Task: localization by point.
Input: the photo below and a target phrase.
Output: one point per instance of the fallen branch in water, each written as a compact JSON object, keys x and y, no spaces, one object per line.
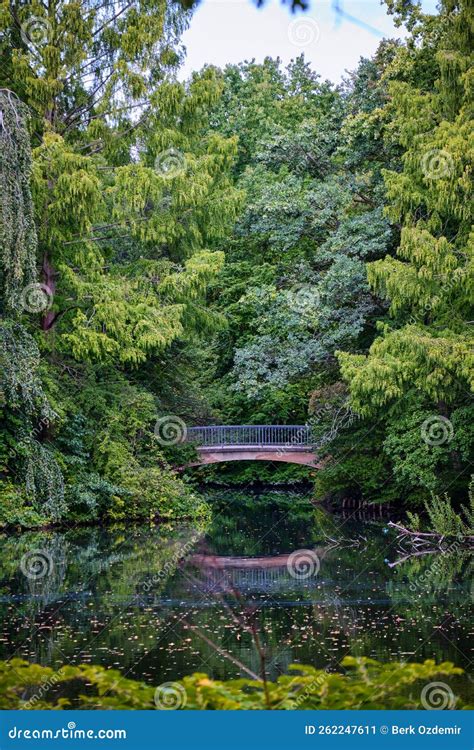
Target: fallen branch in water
{"x":425,"y":536}
{"x":422,"y":543}
{"x":410,"y":555}
{"x":222,"y":651}
{"x":409,"y":532}
{"x":344,"y":542}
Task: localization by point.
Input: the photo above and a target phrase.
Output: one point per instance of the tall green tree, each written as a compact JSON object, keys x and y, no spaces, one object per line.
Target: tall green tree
{"x":120,"y":203}
{"x":420,"y":367}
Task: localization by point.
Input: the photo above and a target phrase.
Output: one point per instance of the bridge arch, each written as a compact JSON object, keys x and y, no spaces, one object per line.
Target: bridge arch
{"x":280,"y":443}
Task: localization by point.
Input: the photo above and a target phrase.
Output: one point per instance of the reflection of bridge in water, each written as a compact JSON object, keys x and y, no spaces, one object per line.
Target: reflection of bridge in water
{"x":258,"y":574}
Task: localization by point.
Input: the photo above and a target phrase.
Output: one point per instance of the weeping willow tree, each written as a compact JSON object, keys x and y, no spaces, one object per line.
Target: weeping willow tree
{"x":25,"y":412}
{"x":32,"y":478}
{"x":18,"y":239}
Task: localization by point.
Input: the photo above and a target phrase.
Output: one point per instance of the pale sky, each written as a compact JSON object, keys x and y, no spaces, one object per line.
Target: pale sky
{"x":229,"y":31}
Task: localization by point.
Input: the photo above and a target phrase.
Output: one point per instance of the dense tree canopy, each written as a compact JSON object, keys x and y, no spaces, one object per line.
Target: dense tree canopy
{"x":423,"y":355}
{"x":251,"y":245}
{"x":118,"y":203}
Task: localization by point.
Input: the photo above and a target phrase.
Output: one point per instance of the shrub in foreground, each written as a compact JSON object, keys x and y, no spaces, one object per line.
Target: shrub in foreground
{"x":362,"y":684}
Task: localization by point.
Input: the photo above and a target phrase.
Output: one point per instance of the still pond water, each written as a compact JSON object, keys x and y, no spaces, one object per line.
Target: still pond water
{"x":159,"y":602}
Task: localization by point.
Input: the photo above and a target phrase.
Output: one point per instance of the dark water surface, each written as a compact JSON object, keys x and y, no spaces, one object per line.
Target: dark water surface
{"x":159,"y":602}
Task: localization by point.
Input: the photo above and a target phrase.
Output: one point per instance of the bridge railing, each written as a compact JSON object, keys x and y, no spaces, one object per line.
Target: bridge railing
{"x":252,"y":435}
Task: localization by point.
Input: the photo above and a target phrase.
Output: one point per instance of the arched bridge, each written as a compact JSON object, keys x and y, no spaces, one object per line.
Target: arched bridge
{"x":287,"y":443}
{"x":256,"y":573}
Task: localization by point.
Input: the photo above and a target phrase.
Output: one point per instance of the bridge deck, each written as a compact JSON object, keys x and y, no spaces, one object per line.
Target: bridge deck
{"x":221,"y":443}
{"x":240,"y":437}
{"x":253,"y":446}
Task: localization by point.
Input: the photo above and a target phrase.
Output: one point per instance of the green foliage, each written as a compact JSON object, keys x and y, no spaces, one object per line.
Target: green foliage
{"x":365,"y":684}
{"x":17,"y":227}
{"x":414,"y":521}
{"x":432,"y":277}
{"x":254,"y":474}
{"x":113,"y":434}
{"x":21,"y":385}
{"x":356,"y":467}
{"x":44,"y":482}
{"x":15,"y":510}
{"x":444,"y":520}
{"x":122,"y":215}
{"x":294,"y":287}
{"x":26,"y":415}
{"x":296,"y":329}
{"x":227,"y":249}
{"x":441,"y":518}
{"x":136,"y":48}
{"x":129,"y":320}
{"x":427,"y":347}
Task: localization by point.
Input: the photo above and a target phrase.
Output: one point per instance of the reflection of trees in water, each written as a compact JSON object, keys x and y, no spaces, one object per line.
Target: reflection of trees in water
{"x":125,"y":597}
{"x":96,"y":576}
{"x":431,"y":594}
{"x":254,"y":524}
{"x":45,"y":589}
{"x":350,"y":618}
{"x":285,"y":521}
{"x":423,"y":581}
{"x":113,"y":561}
{"x":32,"y":594}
